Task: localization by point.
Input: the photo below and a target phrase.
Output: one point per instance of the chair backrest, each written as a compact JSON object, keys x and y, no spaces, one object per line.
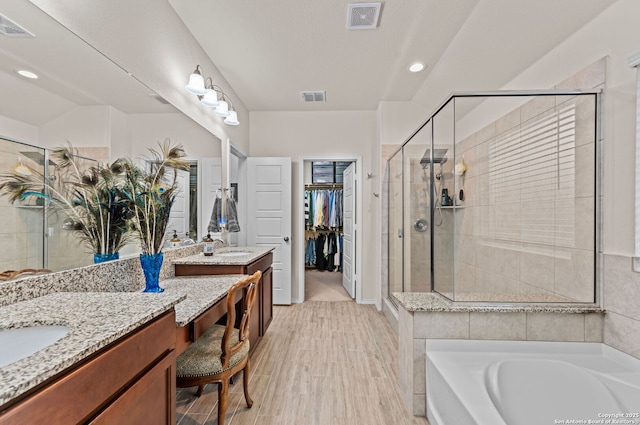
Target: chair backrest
{"x":249,"y":288}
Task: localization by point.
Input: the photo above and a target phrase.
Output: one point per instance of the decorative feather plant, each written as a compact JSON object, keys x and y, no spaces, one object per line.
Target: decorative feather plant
{"x":96,"y":207}
{"x":151,"y":193}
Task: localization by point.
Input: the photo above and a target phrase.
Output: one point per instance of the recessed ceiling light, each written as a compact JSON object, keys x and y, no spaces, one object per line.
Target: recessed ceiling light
{"x":417,"y":67}
{"x":27,"y":74}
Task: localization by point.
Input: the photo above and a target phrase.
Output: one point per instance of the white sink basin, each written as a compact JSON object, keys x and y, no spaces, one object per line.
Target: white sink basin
{"x":16,"y":344}
{"x":233,"y":253}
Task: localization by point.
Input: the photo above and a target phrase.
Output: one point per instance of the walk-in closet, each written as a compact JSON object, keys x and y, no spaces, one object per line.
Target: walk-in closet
{"x":324,"y":229}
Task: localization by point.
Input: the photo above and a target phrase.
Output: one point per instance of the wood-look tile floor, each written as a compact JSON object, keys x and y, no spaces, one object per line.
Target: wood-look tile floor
{"x":320,"y":363}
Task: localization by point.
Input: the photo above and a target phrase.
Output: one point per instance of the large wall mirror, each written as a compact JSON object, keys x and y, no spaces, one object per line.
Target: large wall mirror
{"x":80,"y":97}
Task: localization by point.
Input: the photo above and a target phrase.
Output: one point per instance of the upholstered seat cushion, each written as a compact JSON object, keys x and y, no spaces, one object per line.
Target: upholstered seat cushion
{"x":202,"y":358}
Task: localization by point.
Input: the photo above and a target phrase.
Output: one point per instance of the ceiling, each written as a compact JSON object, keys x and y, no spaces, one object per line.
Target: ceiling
{"x":269,"y":51}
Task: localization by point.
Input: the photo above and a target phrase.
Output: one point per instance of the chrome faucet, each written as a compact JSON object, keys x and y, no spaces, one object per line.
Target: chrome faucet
{"x":187,"y":241}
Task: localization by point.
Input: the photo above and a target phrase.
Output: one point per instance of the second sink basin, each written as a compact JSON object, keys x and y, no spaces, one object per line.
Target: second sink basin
{"x":16,"y":344}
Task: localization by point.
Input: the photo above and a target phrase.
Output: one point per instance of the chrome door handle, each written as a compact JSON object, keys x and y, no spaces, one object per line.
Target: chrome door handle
{"x":286,"y":238}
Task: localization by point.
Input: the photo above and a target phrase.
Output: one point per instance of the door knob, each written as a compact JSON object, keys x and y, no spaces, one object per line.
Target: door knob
{"x":286,"y":238}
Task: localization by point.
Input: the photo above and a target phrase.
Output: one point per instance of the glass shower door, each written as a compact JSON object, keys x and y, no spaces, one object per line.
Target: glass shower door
{"x":417,"y":220}
{"x":22,"y":233}
{"x":395,"y":226}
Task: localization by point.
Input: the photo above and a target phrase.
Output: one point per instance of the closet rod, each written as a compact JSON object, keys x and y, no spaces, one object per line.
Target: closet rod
{"x":323,"y":186}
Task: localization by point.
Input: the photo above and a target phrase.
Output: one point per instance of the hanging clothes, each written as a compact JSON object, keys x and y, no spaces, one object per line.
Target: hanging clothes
{"x":321,"y":262}
{"x":324,"y":208}
{"x":332,"y":250}
{"x":307,"y":205}
{"x":310,"y":252}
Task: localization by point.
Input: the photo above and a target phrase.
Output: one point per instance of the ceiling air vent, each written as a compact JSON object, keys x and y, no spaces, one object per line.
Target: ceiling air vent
{"x":313,"y":96}
{"x":11,"y":29}
{"x":363,"y":16}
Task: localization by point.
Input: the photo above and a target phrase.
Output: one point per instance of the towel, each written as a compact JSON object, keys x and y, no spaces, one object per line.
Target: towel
{"x":232,"y":216}
{"x":216,"y":217}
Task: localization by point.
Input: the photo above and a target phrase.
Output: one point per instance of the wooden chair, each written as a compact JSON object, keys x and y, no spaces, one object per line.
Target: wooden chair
{"x":222,"y":351}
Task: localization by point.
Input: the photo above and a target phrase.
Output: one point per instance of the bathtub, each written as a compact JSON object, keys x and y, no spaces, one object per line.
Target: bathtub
{"x":530,"y":383}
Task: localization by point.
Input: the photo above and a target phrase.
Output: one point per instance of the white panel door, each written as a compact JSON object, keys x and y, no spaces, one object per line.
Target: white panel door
{"x":269,"y":217}
{"x":349,"y":229}
{"x":209,"y":187}
{"x":179,"y":214}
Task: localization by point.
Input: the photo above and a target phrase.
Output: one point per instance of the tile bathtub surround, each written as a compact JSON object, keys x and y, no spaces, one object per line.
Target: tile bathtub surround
{"x":428,"y":315}
{"x":621,"y":300}
{"x":123,"y":275}
{"x":95,"y":320}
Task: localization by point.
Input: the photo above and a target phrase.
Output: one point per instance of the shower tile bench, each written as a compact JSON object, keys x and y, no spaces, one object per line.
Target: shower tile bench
{"x":428,"y":315}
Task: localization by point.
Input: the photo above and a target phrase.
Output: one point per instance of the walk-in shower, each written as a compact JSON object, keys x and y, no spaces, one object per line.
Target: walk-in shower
{"x":494,"y":199}
{"x":34,"y":234}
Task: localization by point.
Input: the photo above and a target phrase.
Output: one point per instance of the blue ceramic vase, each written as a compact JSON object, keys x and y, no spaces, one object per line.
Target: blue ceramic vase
{"x":101,"y":258}
{"x":151,"y":264}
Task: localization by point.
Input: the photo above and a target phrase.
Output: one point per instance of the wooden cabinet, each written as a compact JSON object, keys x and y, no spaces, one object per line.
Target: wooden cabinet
{"x":131,"y":381}
{"x":263,"y":309}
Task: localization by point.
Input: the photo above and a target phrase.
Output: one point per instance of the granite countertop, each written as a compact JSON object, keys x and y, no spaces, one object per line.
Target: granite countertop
{"x":95,"y":320}
{"x":201,"y":293}
{"x":434,"y":302}
{"x":219,"y":258}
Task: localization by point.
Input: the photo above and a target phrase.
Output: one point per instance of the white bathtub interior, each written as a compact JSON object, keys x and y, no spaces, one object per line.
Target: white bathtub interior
{"x":530,"y":383}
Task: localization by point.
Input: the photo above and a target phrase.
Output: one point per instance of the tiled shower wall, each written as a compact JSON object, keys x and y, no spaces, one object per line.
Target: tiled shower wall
{"x":21,"y":233}
{"x":527,"y":226}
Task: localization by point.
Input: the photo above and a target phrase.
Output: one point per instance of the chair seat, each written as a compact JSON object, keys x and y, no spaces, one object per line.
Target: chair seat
{"x":203,"y":357}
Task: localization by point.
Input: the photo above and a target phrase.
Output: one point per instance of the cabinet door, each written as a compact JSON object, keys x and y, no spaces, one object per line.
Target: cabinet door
{"x":150,"y":400}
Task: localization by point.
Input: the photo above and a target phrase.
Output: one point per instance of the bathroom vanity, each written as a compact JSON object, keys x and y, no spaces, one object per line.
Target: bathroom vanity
{"x":114,"y":360}
{"x":232,"y":261}
{"x":115,"y":365}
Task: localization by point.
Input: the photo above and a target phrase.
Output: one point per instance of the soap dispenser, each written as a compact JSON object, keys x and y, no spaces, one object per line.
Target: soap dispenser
{"x":208,"y":245}
{"x":175,"y":240}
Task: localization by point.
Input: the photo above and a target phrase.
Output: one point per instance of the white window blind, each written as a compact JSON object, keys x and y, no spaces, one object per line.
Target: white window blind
{"x":531,"y":181}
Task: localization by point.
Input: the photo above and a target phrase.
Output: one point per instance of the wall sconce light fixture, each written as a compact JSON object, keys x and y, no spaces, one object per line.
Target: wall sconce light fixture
{"x":212,"y":96}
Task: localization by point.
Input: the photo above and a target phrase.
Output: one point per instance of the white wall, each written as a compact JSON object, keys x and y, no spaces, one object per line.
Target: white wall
{"x":83,"y":126}
{"x":398,"y":120}
{"x":337,"y":134}
{"x":121,"y":145}
{"x":18,"y":130}
{"x":149,"y":129}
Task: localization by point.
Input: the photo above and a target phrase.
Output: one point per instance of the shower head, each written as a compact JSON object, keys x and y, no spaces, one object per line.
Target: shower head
{"x":439,"y":157}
